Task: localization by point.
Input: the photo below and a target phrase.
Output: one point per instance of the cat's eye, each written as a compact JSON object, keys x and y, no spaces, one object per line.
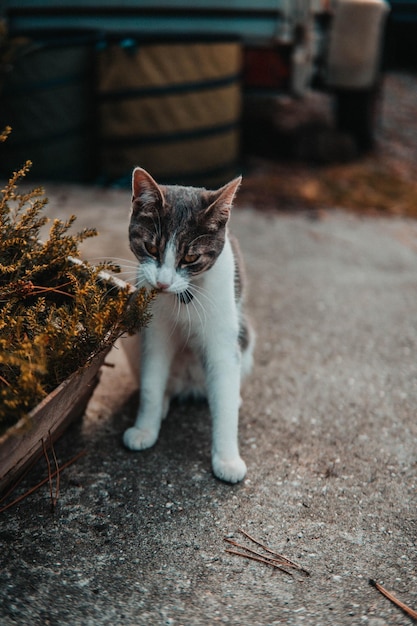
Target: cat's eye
{"x":190,"y":258}
{"x":151,"y":249}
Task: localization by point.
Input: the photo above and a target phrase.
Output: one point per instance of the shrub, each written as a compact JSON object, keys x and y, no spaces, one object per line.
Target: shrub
{"x":56,"y":312}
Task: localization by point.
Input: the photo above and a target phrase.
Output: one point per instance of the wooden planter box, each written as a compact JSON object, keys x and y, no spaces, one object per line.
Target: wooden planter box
{"x":22,"y":443}
{"x":173,"y":106}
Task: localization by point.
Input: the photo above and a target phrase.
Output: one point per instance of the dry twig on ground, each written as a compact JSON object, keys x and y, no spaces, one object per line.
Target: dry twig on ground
{"x":394,"y":600}
{"x":54,"y":498}
{"x":279,"y":561}
{"x":48,"y":479}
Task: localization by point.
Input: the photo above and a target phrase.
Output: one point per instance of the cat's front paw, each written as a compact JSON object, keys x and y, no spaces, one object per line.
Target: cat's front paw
{"x":231,"y":470}
{"x":139,"y":438}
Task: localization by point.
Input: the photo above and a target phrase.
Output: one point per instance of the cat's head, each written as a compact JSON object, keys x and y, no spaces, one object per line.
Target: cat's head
{"x":175,"y":232}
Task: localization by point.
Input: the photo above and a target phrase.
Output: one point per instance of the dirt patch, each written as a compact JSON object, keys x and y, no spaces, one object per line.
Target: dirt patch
{"x":299,"y":161}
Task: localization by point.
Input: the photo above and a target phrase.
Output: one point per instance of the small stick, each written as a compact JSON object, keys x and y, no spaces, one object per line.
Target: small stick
{"x":259,"y":559}
{"x":18,"y":481}
{"x":266,"y":559}
{"x":263,"y":556}
{"x":39,"y":289}
{"x":45,"y":480}
{"x":280,"y":556}
{"x":393,"y":599}
{"x":266,"y":547}
{"x":45,"y":453}
{"x":58,"y":472}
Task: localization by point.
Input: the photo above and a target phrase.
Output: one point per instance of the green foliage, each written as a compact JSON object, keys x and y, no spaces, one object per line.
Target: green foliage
{"x":56,"y":312}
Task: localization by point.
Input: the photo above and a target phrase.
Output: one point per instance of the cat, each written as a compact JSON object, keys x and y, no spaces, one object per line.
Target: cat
{"x":199,"y":342}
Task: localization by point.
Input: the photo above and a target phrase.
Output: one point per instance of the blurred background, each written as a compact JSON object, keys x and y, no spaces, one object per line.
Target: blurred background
{"x":314,"y":100}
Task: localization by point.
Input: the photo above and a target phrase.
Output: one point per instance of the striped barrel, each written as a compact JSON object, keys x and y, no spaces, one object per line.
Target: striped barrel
{"x":170,"y":107}
{"x":46,"y":96}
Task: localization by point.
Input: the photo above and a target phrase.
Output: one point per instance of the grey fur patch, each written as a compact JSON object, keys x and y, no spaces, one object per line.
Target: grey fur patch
{"x":196,"y":216}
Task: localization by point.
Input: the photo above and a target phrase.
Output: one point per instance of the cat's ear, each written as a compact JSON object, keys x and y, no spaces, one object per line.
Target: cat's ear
{"x":146,"y":192}
{"x":221,"y":201}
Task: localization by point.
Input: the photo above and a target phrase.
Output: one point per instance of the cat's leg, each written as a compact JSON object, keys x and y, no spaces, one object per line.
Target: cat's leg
{"x":223,"y":387}
{"x":153,"y":406}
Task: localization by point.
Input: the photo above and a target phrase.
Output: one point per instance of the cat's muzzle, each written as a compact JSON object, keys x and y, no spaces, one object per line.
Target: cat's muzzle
{"x":185,"y":297}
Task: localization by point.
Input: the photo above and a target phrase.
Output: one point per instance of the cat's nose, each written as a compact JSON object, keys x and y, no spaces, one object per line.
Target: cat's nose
{"x":162,"y":286}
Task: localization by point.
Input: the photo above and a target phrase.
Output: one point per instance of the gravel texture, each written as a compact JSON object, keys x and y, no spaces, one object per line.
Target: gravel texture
{"x":328,"y":432}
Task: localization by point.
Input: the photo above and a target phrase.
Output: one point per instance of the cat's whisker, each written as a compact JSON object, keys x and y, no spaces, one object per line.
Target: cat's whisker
{"x":195,"y":294}
{"x":127,"y":272}
{"x":110,"y":287}
{"x":204,"y":293}
{"x":128,"y":276}
{"x":177,"y":316}
{"x":140,"y":277}
{"x":189,"y":322}
{"x":203,"y":304}
{"x":139,"y":282}
{"x":129,"y":279}
{"x":200,"y":290}
{"x":115,"y":260}
{"x":195,"y":301}
{"x":127,"y":268}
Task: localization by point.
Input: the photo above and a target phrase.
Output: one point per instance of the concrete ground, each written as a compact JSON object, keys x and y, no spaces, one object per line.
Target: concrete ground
{"x":328,"y":430}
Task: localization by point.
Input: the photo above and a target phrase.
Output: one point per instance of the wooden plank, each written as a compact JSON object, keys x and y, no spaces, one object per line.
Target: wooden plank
{"x":22,"y":443}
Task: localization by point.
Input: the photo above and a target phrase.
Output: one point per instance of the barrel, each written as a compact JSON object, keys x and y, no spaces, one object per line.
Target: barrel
{"x":172,"y":107}
{"x":47,"y":97}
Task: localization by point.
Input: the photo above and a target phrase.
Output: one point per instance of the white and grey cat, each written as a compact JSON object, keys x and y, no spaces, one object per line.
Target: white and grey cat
{"x":199,"y":342}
